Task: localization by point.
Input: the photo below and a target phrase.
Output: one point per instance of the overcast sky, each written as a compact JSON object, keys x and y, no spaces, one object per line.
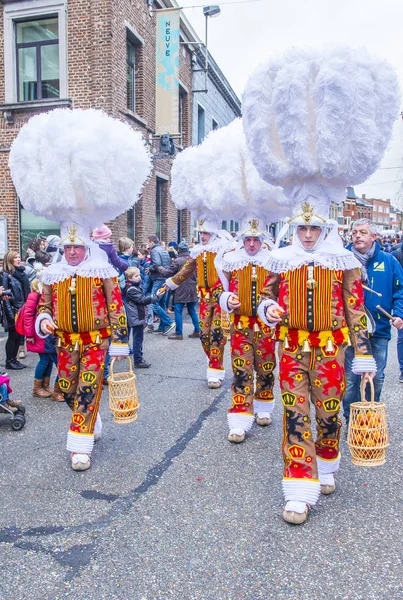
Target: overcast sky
{"x":249,"y":31}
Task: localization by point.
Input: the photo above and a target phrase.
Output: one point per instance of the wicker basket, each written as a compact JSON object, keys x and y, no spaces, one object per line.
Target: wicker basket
{"x":225,"y":324}
{"x":123,"y":399}
{"x":368,"y":435}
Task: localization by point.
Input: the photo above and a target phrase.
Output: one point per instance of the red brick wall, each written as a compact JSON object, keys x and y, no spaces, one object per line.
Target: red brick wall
{"x":135,"y":14}
{"x":97,"y":78}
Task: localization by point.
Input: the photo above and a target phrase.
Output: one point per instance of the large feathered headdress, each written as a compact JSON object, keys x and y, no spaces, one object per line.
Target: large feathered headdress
{"x":217,"y":181}
{"x":79,"y":168}
{"x":317,"y":122}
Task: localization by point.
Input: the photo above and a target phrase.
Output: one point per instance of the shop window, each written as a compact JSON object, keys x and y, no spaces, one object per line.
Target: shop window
{"x":33,"y":226}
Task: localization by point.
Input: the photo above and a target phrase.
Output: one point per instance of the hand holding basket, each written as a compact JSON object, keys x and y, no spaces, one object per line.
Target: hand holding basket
{"x":368,"y":435}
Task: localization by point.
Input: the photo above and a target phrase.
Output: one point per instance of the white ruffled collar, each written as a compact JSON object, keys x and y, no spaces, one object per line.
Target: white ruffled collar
{"x":239,"y":259}
{"x":95,"y":265}
{"x":329,"y":253}
{"x":212,"y":246}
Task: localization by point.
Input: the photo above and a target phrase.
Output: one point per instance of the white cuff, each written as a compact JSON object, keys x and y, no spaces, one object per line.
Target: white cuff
{"x":295,"y":506}
{"x":81,"y":443}
{"x":363,"y":364}
{"x":240,"y":421}
{"x":42,"y":317}
{"x":224,"y":297}
{"x":325,"y":467}
{"x":116,"y":349}
{"x":301,"y":490}
{"x":216,"y":374}
{"x":326,"y":479}
{"x":261,"y":407}
{"x":172,"y":286}
{"x":261,"y":311}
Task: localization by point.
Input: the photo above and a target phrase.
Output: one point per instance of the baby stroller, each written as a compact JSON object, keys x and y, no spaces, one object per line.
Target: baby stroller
{"x":16,"y":412}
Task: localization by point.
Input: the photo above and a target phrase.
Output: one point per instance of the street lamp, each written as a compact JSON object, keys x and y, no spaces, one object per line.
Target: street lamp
{"x":213,"y":10}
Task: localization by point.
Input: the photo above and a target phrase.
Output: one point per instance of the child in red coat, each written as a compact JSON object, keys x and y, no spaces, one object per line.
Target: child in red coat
{"x":44,"y":347}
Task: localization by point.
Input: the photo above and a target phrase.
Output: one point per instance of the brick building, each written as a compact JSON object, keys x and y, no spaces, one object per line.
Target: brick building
{"x":396,"y":219}
{"x":380,"y":212}
{"x":98,"y":54}
{"x":349,"y":208}
{"x":364,"y":208}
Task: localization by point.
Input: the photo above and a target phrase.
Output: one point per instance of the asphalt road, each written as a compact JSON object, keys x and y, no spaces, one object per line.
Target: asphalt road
{"x":171,"y":510}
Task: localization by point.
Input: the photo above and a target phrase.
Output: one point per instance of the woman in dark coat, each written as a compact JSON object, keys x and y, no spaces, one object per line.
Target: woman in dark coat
{"x":14,"y":278}
{"x":186,"y":294}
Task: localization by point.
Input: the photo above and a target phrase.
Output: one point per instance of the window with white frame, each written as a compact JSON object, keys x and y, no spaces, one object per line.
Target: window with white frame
{"x":37,"y":51}
{"x":35,"y":57}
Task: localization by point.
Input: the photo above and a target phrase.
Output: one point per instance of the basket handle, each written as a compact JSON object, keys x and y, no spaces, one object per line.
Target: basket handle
{"x":363,"y":386}
{"x":113,"y":362}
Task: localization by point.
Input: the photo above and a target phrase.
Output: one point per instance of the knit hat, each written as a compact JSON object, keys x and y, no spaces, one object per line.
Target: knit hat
{"x":101,"y":233}
{"x":183,"y":246}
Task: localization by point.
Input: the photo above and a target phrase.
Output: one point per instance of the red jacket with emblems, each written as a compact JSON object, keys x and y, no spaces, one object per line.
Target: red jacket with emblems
{"x":333,"y":308}
{"x":94,"y":308}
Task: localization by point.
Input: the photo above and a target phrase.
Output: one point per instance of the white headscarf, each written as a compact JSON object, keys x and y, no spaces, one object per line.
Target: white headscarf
{"x":328,"y":252}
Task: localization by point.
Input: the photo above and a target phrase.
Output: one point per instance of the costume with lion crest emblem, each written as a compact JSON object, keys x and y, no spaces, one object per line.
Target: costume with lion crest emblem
{"x":315,"y":123}
{"x":80,"y":168}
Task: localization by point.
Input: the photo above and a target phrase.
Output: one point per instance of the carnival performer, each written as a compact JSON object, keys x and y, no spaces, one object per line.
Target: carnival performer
{"x":318,"y":308}
{"x":212,"y":337}
{"x":84,"y":310}
{"x":252,"y":341}
{"x":93,"y":170}
{"x":314,"y":294}
{"x":218,"y":182}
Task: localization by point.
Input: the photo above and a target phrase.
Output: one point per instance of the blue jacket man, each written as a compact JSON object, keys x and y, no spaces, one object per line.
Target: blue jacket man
{"x":159,"y":258}
{"x":382,"y":273}
{"x":397,"y":252}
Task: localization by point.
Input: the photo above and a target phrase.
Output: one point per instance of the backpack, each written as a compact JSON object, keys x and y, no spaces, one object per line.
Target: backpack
{"x":19,"y":321}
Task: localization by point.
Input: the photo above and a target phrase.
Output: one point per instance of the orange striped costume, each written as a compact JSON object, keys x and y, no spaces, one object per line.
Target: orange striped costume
{"x":321,"y":308}
{"x":252,"y":348}
{"x":209,"y":286}
{"x":87,"y":311}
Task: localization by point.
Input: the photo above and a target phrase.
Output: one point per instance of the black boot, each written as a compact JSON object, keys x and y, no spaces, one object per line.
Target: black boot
{"x":14,"y":365}
{"x":20,"y":364}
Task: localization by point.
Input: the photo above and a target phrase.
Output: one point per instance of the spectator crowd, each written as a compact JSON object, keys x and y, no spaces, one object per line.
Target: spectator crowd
{"x":142,"y":274}
{"x":152,"y":309}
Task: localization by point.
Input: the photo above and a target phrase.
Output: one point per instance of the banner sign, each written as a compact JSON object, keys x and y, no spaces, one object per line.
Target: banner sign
{"x":167,"y":70}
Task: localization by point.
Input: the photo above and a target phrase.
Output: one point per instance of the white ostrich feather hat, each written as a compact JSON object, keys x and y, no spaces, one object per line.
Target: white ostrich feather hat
{"x":316,"y":122}
{"x":217,"y":181}
{"x":80,"y":168}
